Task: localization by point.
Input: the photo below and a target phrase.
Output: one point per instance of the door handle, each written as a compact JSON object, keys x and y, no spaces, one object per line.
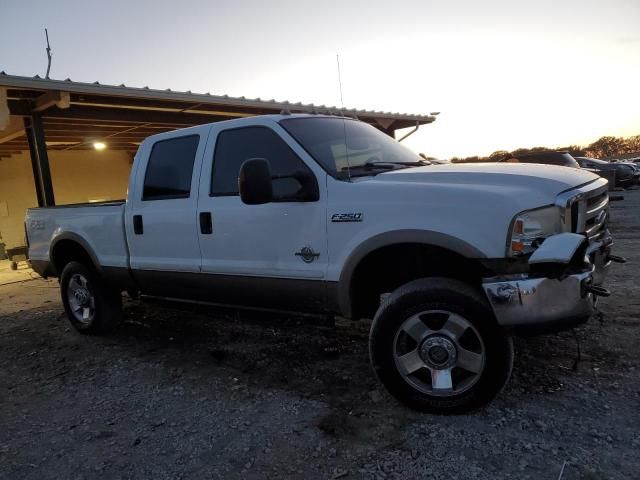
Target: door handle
{"x":138,"y":228}
{"x":206,"y":223}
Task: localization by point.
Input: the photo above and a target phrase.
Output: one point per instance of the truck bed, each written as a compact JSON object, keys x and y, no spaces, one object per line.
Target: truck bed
{"x":99,"y":226}
{"x":108,"y":203}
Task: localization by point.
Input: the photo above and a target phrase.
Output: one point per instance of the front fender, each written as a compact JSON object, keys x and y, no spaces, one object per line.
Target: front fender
{"x":424,"y":237}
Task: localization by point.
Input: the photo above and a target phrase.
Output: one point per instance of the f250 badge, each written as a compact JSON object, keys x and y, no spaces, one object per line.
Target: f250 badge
{"x":346,"y":217}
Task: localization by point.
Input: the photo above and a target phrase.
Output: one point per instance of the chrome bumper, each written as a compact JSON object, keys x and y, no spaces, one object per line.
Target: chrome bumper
{"x":541,"y":304}
{"x":544,"y":302}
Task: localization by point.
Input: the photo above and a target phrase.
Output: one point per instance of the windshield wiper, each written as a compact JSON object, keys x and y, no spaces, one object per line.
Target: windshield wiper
{"x":368,"y":168}
{"x":417,"y":163}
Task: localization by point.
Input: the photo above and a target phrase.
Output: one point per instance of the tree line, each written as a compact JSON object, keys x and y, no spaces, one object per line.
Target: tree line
{"x":604,"y":147}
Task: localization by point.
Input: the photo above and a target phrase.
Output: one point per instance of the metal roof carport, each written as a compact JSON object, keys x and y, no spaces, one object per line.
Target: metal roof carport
{"x":39,"y":114}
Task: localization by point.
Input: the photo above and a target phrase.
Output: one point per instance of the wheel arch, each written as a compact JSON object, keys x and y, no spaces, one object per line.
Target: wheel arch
{"x":393,"y":242}
{"x":69,"y":246}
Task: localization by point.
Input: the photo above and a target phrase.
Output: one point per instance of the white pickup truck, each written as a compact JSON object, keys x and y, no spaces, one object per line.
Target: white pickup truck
{"x":325,"y":214}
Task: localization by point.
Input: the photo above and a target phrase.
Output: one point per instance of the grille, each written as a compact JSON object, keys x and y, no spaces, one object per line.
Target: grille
{"x":591,"y":214}
{"x":587,"y":208}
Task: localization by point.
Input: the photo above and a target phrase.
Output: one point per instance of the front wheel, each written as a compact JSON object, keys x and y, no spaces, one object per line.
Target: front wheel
{"x":92,"y":306}
{"x":435,"y":345}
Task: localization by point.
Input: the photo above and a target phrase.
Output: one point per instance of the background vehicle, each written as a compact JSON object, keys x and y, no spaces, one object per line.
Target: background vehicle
{"x":563,"y":159}
{"x":636,"y":174}
{"x":625,"y":174}
{"x":329,"y":215}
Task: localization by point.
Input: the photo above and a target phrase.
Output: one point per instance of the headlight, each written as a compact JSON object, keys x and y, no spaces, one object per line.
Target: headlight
{"x":531,"y":227}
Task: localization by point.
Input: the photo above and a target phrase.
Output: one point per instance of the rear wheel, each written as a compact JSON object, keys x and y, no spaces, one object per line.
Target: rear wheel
{"x":436,"y":347}
{"x":91,"y":306}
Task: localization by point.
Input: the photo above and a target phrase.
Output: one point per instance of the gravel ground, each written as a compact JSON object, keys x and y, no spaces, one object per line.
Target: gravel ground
{"x":187,"y":392}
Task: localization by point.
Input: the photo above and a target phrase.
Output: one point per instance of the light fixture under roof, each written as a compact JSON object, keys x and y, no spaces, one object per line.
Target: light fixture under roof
{"x":99,"y":145}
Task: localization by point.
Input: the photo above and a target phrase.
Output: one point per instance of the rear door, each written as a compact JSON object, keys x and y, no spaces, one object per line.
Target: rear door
{"x":272,"y":255}
{"x":161,"y":218}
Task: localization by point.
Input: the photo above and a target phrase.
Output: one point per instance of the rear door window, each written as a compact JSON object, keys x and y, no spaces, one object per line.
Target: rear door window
{"x":170,"y":168}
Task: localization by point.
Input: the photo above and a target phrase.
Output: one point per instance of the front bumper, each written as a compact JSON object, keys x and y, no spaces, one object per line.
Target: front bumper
{"x":533,"y":303}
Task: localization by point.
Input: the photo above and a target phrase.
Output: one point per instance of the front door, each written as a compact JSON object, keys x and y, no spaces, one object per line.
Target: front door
{"x":272,"y":255}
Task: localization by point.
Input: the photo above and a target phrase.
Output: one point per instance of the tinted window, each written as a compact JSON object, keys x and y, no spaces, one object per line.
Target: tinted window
{"x":170,"y":168}
{"x":235,"y":146}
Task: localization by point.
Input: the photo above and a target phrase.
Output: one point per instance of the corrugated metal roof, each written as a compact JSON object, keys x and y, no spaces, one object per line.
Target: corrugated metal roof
{"x":122,"y":90}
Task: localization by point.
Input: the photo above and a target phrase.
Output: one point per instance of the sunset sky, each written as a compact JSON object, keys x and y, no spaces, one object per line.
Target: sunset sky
{"x":504,"y":74}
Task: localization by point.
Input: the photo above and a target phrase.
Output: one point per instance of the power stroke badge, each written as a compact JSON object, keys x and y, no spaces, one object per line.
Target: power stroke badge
{"x":346,"y":217}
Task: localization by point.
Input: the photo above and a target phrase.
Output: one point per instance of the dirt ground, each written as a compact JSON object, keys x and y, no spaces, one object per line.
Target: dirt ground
{"x":22,"y":273}
{"x":189,"y":392}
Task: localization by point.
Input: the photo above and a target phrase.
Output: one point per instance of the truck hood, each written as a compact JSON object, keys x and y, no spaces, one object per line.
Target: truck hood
{"x":471,"y":204}
{"x":547,"y":180}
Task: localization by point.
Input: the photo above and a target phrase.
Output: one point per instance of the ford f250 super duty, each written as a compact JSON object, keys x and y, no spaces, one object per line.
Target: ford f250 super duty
{"x":328,"y":215}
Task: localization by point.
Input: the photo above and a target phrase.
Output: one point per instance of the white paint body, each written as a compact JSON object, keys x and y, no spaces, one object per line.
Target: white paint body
{"x":473,"y":203}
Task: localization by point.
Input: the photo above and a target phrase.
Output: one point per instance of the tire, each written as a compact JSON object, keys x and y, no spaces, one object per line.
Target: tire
{"x":457,"y":357}
{"x":91,"y":306}
{"x":14,"y":266}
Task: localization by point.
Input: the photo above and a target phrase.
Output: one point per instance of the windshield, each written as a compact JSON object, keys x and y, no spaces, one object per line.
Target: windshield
{"x":347,"y":148}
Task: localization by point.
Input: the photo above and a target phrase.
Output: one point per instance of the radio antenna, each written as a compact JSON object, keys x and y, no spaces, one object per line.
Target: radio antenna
{"x":48,"y":54}
{"x":344,"y":121}
{"x":340,"y":82}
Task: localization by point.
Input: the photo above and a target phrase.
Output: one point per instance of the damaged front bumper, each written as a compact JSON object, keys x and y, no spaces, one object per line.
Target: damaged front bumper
{"x":560,"y":289}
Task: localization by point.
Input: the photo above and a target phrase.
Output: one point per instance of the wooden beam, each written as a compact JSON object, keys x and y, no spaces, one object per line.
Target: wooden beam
{"x":89,"y":148}
{"x":202,"y":111}
{"x":49,"y":99}
{"x":7,"y":155}
{"x":172,"y":105}
{"x":107,"y":123}
{"x":13,"y":130}
{"x":89,"y":138}
{"x":16,"y":146}
{"x":11,"y":136}
{"x":76,"y":143}
{"x":14,"y":140}
{"x":97,"y":133}
{"x":141,"y":116}
{"x":77,"y":131}
{"x":89,"y":129}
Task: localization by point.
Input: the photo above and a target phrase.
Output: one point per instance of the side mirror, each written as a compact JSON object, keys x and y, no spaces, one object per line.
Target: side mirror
{"x":254,"y":182}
